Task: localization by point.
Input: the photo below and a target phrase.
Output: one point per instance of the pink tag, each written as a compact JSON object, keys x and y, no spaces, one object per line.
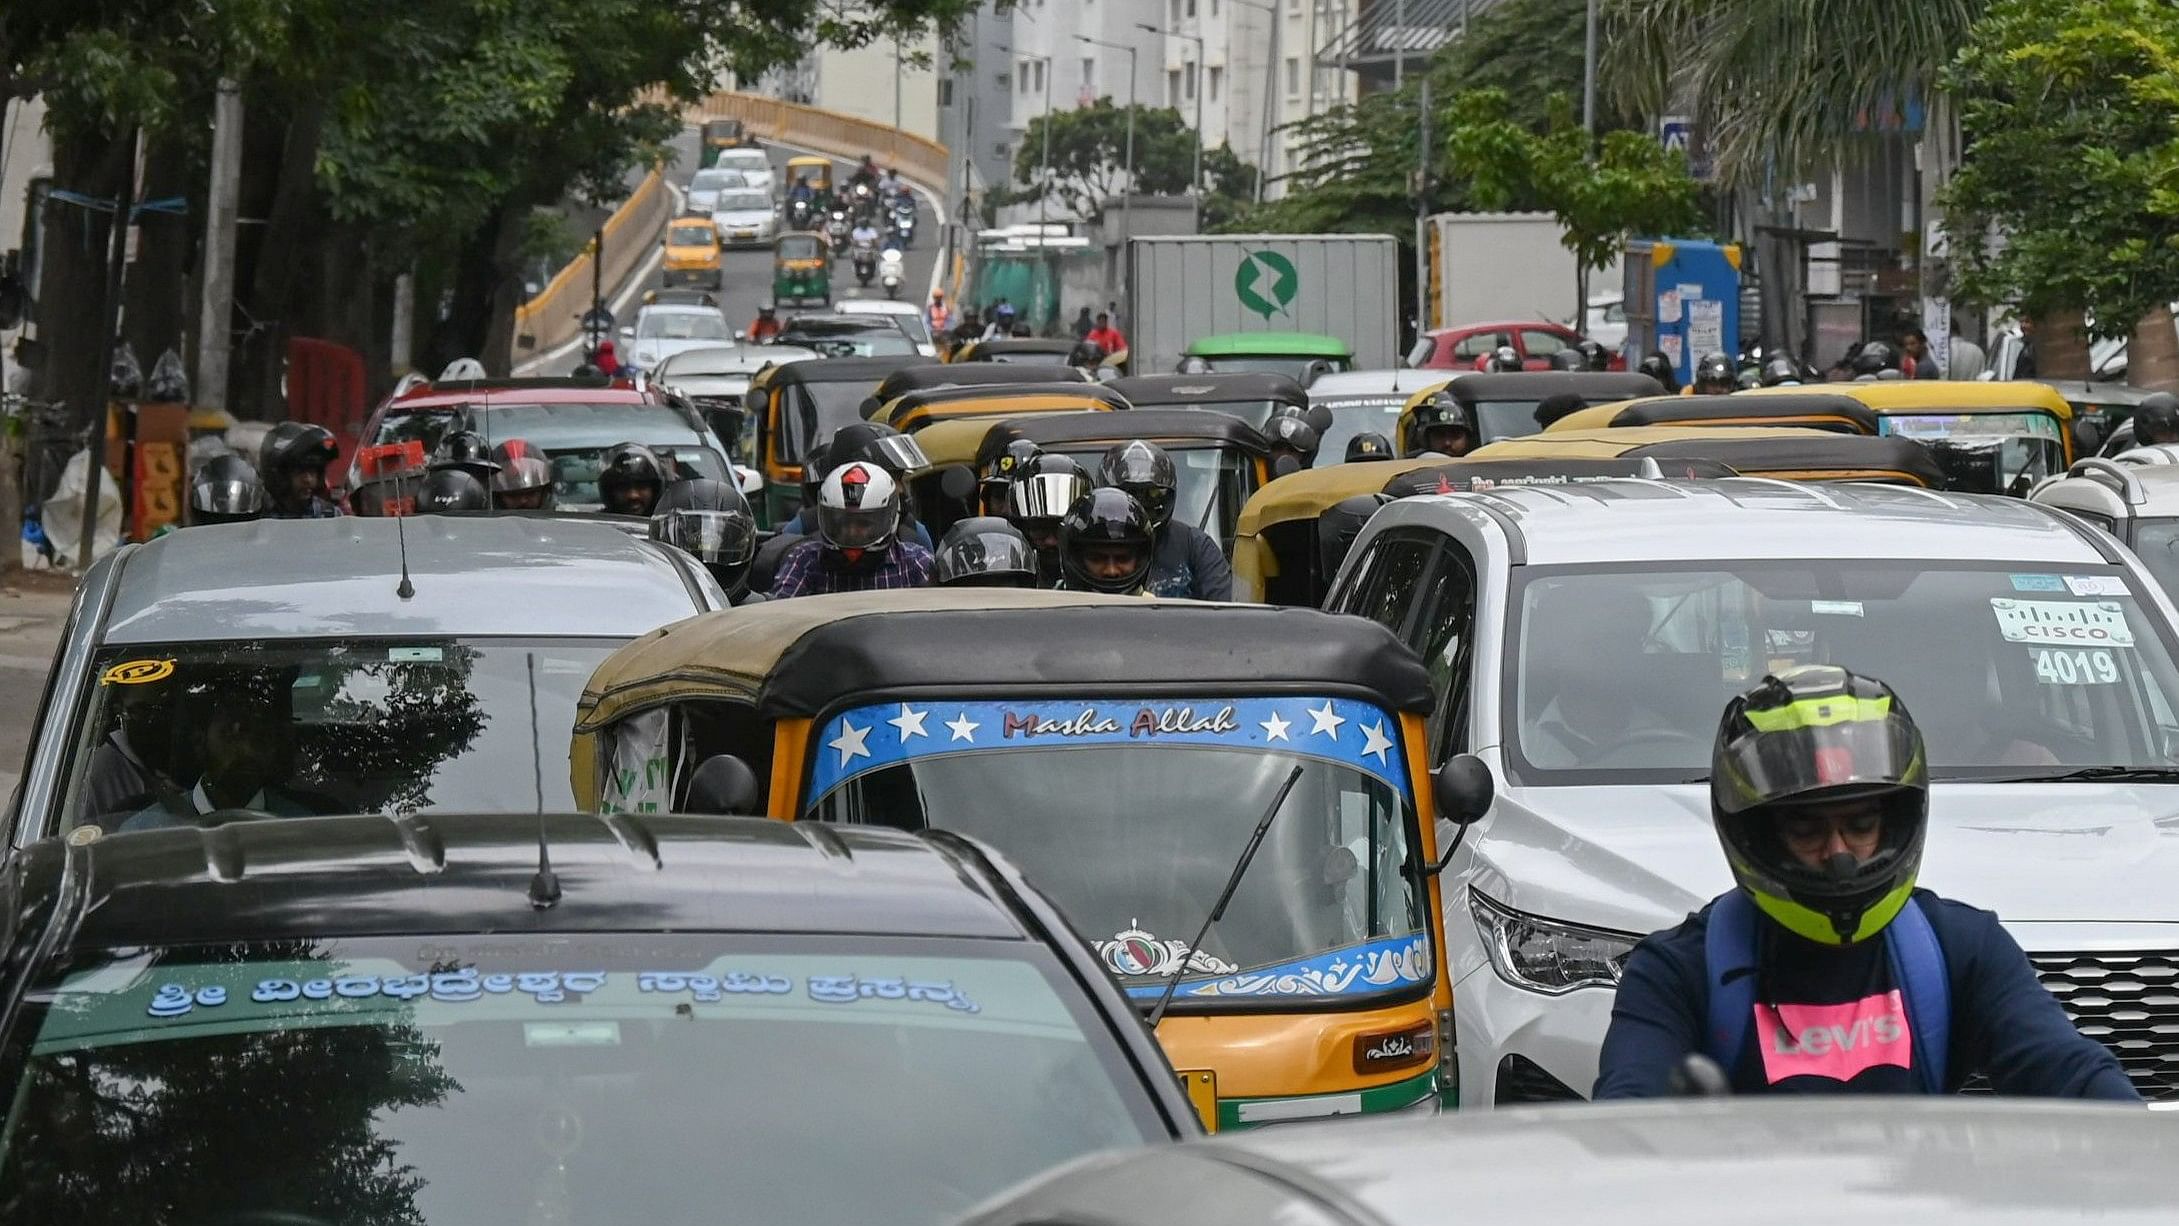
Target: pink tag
{"x":1834,"y":1041}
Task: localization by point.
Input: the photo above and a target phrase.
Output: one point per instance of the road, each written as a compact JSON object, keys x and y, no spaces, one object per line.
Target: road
{"x":33,"y":608}
{"x":748,"y":272}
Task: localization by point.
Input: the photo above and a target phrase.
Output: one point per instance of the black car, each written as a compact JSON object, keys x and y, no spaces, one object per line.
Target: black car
{"x":848,"y":336}
{"x":674,"y":1020}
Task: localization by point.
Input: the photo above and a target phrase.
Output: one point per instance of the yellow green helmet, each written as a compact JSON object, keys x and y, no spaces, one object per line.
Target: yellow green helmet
{"x":1820,"y":735}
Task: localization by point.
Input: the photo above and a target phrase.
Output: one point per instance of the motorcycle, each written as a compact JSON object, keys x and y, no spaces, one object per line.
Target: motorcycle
{"x":891,"y":272}
{"x":836,"y":229}
{"x":798,"y":214}
{"x":866,"y":262}
{"x":862,"y":195}
{"x":904,"y":223}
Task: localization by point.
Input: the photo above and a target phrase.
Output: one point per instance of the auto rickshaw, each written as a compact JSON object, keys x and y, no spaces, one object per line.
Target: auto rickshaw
{"x":691,"y":253}
{"x":1993,"y":438}
{"x":815,"y":171}
{"x":1300,"y":356}
{"x":912,"y":411}
{"x":1019,"y":351}
{"x":1221,"y":460}
{"x":1789,"y":453}
{"x":1811,"y":408}
{"x":1276,"y":555}
{"x":801,"y":270}
{"x":796,"y":405}
{"x":1251,"y":396}
{"x":1142,"y":760}
{"x":2103,"y":414}
{"x":1504,"y":405}
{"x":720,"y":135}
{"x":928,"y":374}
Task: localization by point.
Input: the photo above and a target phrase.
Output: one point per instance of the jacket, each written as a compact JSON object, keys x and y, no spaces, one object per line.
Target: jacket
{"x":1188,"y":563}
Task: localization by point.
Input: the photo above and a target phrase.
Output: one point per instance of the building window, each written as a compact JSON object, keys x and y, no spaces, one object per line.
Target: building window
{"x":1190,"y":78}
{"x":1216,"y":73}
{"x":1089,"y":77}
{"x":1041,"y":66}
{"x":1214,"y":8}
{"x":945,"y":91}
{"x":1293,"y":77}
{"x":1024,"y":73}
{"x":1172,"y":87}
{"x":1191,"y":8}
{"x":1176,"y":13}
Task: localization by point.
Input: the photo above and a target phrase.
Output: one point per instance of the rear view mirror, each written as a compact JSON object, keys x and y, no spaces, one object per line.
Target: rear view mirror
{"x":958,"y":482}
{"x":1285,"y":466}
{"x":1462,"y":789}
{"x":1319,"y":418}
{"x":724,"y":785}
{"x":749,"y":481}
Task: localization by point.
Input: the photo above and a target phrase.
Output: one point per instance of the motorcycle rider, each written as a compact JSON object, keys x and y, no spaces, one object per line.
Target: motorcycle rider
{"x":1185,"y":561}
{"x":1599,"y":358}
{"x":225,"y":490}
{"x":1038,"y":497}
{"x":891,"y":186}
{"x":1291,"y":438}
{"x":1503,"y":360}
{"x":1715,"y":376}
{"x":711,"y":522}
{"x":984,"y":551}
{"x":874,"y":443}
{"x":1569,"y":360}
{"x":524,"y":479}
{"x":1659,"y":367}
{"x":991,"y":486}
{"x":2156,"y":420}
{"x":1876,"y":360}
{"x":1780,"y":370}
{"x":1105,"y":544}
{"x":1826,"y":970}
{"x":858,"y":546}
{"x":292,"y":463}
{"x":765,"y":328}
{"x":447,"y":489}
{"x":1368,"y":445}
{"x":1441,"y":424}
{"x":630,"y":479}
{"x":467,"y":451}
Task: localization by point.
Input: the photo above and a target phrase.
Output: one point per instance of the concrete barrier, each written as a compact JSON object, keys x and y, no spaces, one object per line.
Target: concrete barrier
{"x":554,"y":315}
{"x":842,"y":136}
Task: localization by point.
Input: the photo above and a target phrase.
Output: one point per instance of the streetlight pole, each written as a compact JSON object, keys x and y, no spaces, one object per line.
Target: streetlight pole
{"x":1271,"y":93}
{"x":1588,"y":153}
{"x":1200,"y":54}
{"x":1127,"y":202}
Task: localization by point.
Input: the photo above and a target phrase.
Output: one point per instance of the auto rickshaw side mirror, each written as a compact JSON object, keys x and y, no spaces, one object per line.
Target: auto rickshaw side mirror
{"x":958,"y":482}
{"x":724,"y":786}
{"x":1285,"y":466}
{"x":1462,"y":789}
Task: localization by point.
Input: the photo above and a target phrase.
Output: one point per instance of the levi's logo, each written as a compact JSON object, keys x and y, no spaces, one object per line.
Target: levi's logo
{"x":1835,"y":1041}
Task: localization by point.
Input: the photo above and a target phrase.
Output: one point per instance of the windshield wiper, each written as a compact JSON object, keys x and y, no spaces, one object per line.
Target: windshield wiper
{"x":1225,"y":896}
{"x":2088,"y":774}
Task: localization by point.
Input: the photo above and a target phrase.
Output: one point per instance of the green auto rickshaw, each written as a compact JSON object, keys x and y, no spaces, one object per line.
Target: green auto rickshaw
{"x":801,"y":271}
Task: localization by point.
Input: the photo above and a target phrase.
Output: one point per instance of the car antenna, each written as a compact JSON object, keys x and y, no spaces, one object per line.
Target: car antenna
{"x":1218,"y":909}
{"x":545,"y":885}
{"x":406,"y":590}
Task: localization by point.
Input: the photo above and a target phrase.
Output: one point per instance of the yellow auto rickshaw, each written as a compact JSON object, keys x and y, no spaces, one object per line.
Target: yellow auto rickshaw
{"x":1998,"y":437}
{"x":1505,"y":405}
{"x":912,"y":411}
{"x":1276,"y":552}
{"x":797,"y":405}
{"x":817,"y":173}
{"x":1132,"y":756}
{"x":1788,"y":453}
{"x":1812,"y":408}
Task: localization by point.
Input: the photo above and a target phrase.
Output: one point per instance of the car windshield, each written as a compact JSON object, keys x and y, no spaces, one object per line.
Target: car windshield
{"x":573,"y":436}
{"x":692,"y":236}
{"x":1213,"y":484}
{"x":812,"y":411}
{"x":1298,"y":368}
{"x":1132,"y":815}
{"x":705,"y":325}
{"x":746,"y":160}
{"x":910,"y":321}
{"x":714,"y":179}
{"x":2011,"y":670}
{"x":315,"y":727}
{"x":876,"y":342}
{"x":581,"y":1078}
{"x":1352,"y":415}
{"x":2156,"y":541}
{"x":744,"y":200}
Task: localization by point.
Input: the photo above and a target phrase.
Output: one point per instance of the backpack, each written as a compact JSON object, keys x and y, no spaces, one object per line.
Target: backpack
{"x":1917,"y":966}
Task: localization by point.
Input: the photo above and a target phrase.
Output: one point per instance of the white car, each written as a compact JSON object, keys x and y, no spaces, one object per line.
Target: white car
{"x":909,"y":315}
{"x":755,"y":167}
{"x":744,"y":217}
{"x":704,"y":187}
{"x":1367,"y":401}
{"x":1584,"y":640}
{"x":1607,"y":321}
{"x":664,"y":329}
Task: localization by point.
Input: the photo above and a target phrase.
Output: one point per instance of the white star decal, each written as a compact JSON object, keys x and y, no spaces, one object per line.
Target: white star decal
{"x":1375,"y":742}
{"x":850,"y":742}
{"x":909,"y":722}
{"x":1325,"y":721}
{"x":1275,"y":728}
{"x":964,"y":728}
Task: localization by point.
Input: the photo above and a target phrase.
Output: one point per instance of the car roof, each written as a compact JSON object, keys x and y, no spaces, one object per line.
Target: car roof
{"x":1591,"y":385}
{"x":474,"y":576}
{"x":471,"y":873}
{"x":839,"y":325}
{"x":1278,"y":344}
{"x":1797,"y":453}
{"x":736,"y":359}
{"x":1394,"y":381}
{"x":1211,"y":388}
{"x":543,"y":391}
{"x":1747,"y":517}
{"x":1025,"y":344}
{"x":925,"y":373}
{"x":2115,"y":489}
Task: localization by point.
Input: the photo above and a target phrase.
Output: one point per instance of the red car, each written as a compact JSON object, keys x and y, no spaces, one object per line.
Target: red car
{"x":1463,"y":346}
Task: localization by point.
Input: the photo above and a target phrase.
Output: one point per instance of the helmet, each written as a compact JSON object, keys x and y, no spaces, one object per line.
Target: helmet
{"x":1875,"y":358}
{"x":523,"y":470}
{"x":1558,"y":405}
{"x":876,"y":443}
{"x":1504,"y":359}
{"x":225,"y":491}
{"x":1368,"y":445}
{"x":1817,"y":736}
{"x":1781,"y":370}
{"x":1039,"y":495}
{"x":767,"y":310}
{"x":291,"y":448}
{"x":2156,"y":420}
{"x":1598,"y":356}
{"x":1292,"y":434}
{"x":1714,"y":374}
{"x":466,"y":450}
{"x":449,"y":489}
{"x":1569,"y":359}
{"x":1748,"y":380}
{"x":1102,"y":521}
{"x":1659,"y":367}
{"x":1146,"y":472}
{"x":623,"y":471}
{"x":1193,"y":365}
{"x":711,"y":522}
{"x":984,"y":551}
{"x":858,"y":509}
{"x":1440,"y":411}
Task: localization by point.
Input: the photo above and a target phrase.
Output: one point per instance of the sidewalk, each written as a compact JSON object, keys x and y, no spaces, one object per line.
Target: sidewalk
{"x":33,"y":606}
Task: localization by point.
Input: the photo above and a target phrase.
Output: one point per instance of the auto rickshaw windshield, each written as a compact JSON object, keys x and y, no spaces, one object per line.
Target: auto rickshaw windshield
{"x":1132,"y":816}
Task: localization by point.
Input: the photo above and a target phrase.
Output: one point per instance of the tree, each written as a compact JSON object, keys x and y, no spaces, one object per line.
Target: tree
{"x":1089,"y":161}
{"x":2071,"y":109}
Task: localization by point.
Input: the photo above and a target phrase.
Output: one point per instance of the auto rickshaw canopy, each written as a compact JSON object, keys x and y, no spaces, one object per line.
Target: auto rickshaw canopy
{"x":816,"y":171}
{"x":789,"y":388}
{"x":1467,"y":475}
{"x":913,"y":411}
{"x":1250,"y":395}
{"x":1177,"y":429}
{"x":1819,"y":410}
{"x":1503,"y":405}
{"x":799,"y":246}
{"x":1789,"y":453}
{"x":926,"y":374}
{"x":1019,"y":351}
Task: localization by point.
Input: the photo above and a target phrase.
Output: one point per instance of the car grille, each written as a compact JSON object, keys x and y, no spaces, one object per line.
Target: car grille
{"x":2129,"y":1002}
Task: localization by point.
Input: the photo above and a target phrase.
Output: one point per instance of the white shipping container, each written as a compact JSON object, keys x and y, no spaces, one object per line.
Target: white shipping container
{"x":1507,"y":266}
{"x":1183,"y":287}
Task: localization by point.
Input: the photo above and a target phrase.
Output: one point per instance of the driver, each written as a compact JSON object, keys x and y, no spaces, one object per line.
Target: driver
{"x":858,"y":546}
{"x":1582,"y":655}
{"x":1826,"y":971}
{"x":1042,"y":491}
{"x":1187,"y":562}
{"x":630,"y":479}
{"x":248,"y":742}
{"x":1441,"y":424}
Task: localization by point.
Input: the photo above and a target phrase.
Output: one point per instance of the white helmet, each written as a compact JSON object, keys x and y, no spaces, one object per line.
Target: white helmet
{"x":858,"y":509}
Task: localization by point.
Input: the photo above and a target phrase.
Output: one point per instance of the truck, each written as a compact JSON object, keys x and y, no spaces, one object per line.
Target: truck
{"x":1181,"y":287}
{"x":1506,"y":266}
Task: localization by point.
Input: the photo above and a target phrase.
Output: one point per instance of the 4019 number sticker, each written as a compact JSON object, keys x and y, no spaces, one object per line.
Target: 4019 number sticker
{"x":2054,"y":666}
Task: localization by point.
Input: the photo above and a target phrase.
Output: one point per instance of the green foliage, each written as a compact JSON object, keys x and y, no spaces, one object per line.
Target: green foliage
{"x":2071,"y":109}
{"x":1089,"y":161}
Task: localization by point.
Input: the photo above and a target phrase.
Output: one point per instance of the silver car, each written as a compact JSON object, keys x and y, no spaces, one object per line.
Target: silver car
{"x":296,"y":667}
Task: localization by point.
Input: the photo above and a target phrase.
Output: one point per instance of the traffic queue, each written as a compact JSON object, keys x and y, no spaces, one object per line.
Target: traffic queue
{"x":926,"y":791}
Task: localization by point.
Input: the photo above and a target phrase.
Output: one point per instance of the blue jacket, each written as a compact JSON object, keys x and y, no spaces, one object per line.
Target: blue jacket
{"x":1189,"y":564}
{"x":1827,"y":1022}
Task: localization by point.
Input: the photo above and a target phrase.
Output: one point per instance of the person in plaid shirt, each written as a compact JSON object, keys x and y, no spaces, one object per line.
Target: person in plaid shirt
{"x":857,"y":546}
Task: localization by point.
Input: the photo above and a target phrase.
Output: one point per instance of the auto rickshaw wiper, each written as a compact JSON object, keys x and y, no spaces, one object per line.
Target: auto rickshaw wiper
{"x":2110,"y":774}
{"x":1218,"y":909}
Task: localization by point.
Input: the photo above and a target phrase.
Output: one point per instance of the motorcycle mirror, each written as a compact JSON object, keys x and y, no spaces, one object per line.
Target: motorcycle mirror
{"x":958,"y":482}
{"x":724,"y":786}
{"x":750,"y":481}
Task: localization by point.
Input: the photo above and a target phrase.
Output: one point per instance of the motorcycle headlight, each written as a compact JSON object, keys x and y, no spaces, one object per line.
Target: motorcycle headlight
{"x":1548,"y":956}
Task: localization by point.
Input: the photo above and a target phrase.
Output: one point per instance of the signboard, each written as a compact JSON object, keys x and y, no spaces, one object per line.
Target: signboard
{"x":1677,"y":132}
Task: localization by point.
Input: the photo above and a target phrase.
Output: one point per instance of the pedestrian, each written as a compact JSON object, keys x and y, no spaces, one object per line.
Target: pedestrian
{"x":1082,"y":325}
{"x":1105,"y":336}
{"x":607,"y":360}
{"x":1921,"y":363}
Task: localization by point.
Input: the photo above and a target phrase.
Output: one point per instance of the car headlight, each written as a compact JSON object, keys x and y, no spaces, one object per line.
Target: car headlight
{"x":1548,"y":956}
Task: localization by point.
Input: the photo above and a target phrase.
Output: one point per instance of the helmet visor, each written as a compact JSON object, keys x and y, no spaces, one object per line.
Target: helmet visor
{"x":984,"y":554}
{"x":899,"y":453}
{"x":1870,"y":747}
{"x":227,"y":497}
{"x":716,"y":538}
{"x":858,"y":527}
{"x":522,"y":474}
{"x":1044,"y":495}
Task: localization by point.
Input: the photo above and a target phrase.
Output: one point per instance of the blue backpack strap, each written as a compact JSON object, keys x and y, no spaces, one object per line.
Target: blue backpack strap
{"x":1918,"y":967}
{"x":1728,"y":946}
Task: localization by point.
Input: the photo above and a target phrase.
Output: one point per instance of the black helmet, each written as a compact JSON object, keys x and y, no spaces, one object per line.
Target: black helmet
{"x":623,"y":473}
{"x":1569,"y":359}
{"x":984,"y":551}
{"x":1558,"y":405}
{"x":289,"y":448}
{"x":466,"y":450}
{"x":711,"y":522}
{"x":1748,"y":380}
{"x":2156,"y":420}
{"x":449,"y":489}
{"x":1145,"y":471}
{"x":1105,"y":521}
{"x":1808,"y":739}
{"x":1659,"y":367}
{"x":1504,"y":360}
{"x":876,"y":443}
{"x":1714,"y":375}
{"x":1368,"y":445}
{"x":523,"y":469}
{"x":1440,"y":410}
{"x":1287,"y":433}
{"x":1874,"y":358}
{"x":225,"y":491}
{"x":1780,"y":371}
{"x":1038,"y":497}
{"x":1594,"y":352}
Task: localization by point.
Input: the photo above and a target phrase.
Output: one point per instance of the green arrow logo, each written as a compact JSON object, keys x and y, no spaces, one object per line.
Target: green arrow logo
{"x":1284,"y":282}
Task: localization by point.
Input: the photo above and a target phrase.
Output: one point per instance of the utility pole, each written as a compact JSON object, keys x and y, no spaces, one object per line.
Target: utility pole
{"x":117,"y":247}
{"x":1399,"y":48}
{"x":1422,"y":210}
{"x":215,"y":310}
{"x":1588,"y":149}
{"x":1127,"y":202}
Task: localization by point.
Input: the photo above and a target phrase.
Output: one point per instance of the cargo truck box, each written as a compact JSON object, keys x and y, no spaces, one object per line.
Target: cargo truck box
{"x":1184,"y":287}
